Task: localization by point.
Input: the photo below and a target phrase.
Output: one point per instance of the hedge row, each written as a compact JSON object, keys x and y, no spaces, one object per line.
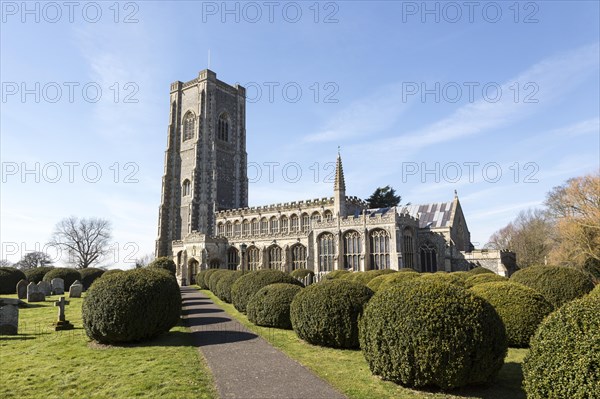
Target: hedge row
{"x":249,"y":284}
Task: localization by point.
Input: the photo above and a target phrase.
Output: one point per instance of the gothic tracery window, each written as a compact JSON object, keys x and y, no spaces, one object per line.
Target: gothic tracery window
{"x":264,"y":226}
{"x":380,"y":249}
{"x":352,"y":250}
{"x":274,"y":225}
{"x":408,"y":255}
{"x":284,"y":225}
{"x":294,"y":224}
{"x":253,"y":258}
{"x":233,"y":258}
{"x":246,"y":228}
{"x":189,"y":126}
{"x":223,"y":128}
{"x":186,"y":188}
{"x":428,"y":258}
{"x":298,"y":257}
{"x":305,"y":223}
{"x":326,"y":252}
{"x":255,"y":230}
{"x":275,"y":260}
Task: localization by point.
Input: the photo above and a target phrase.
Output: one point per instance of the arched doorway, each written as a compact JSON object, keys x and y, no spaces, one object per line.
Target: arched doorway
{"x":193,"y":269}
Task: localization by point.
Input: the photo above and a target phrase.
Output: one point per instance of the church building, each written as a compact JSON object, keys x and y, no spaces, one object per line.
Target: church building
{"x":205,"y":222}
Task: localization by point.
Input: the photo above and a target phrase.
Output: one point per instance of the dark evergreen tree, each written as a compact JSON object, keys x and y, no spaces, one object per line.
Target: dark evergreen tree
{"x":383,"y":197}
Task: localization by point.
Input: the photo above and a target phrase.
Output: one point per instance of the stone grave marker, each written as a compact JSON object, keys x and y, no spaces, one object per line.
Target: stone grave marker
{"x":22,"y":289}
{"x":45,"y":287}
{"x":75,"y":289}
{"x":9,"y":320}
{"x":34,"y":294}
{"x":62,"y":323}
{"x":58,"y":286}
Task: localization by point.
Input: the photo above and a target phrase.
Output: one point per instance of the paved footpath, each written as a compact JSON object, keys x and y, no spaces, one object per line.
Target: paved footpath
{"x":244,"y":365}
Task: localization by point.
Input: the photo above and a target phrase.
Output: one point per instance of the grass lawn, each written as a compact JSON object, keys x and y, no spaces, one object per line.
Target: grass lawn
{"x":347,"y":370}
{"x":42,"y":363}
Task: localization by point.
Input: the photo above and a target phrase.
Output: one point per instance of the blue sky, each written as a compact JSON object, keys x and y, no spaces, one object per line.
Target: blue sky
{"x":497,"y":100}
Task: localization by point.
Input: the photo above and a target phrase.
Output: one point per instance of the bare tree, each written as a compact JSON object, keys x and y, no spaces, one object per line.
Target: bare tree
{"x":144,"y":260}
{"x":85,"y":240}
{"x":33,"y":260}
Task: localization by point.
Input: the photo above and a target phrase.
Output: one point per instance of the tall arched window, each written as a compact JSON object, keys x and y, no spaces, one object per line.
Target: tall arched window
{"x":189,"y":126}
{"x":274,"y":260}
{"x":284,"y":225}
{"x":246,"y":228}
{"x":255,"y":230}
{"x":298,"y":257}
{"x":214,"y":264}
{"x":305,"y":223}
{"x":294,"y":224}
{"x":315,"y":218}
{"x":326,"y":252}
{"x":253,"y":258}
{"x":408,"y":255}
{"x":223,"y":128}
{"x":428,"y":258}
{"x":237,"y":229}
{"x":352,"y":250}
{"x":233,"y":258}
{"x":220,"y":229}
{"x":264,"y":226}
{"x":328,"y":216}
{"x":186,"y":188}
{"x":274,"y":225}
{"x":228,"y":229}
{"x":380,"y":249}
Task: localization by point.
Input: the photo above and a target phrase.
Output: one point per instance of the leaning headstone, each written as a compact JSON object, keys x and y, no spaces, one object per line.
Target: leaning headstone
{"x":58,"y":286}
{"x":22,"y":289}
{"x":9,"y":320}
{"x":45,"y":287}
{"x":34,"y":294}
{"x":75,"y":289}
{"x":62,"y":323}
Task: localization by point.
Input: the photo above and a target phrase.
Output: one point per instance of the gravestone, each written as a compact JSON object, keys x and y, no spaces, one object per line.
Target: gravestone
{"x":75,"y":289}
{"x":45,"y":287}
{"x":62,"y":323}
{"x":58,"y":286}
{"x":34,"y":294}
{"x":9,"y":320}
{"x":22,"y":289}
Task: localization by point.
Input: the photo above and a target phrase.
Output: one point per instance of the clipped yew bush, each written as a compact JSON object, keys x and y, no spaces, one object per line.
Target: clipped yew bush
{"x":37,"y":274}
{"x":301,"y":273}
{"x":214,"y":278}
{"x":164,"y":262}
{"x":464,"y":275}
{"x":337,"y":274}
{"x":564,"y":358}
{"x":9,"y":277}
{"x":521,"y":308}
{"x":479,"y":270}
{"x":366,"y":277}
{"x":393,"y":279}
{"x":444,"y":277}
{"x":327,"y":313}
{"x":483,"y":278}
{"x":557,"y":284}
{"x":596,"y":291}
{"x":223,"y":287}
{"x":111,"y":272}
{"x":270,"y":306}
{"x":249,"y":284}
{"x":89,"y":275}
{"x":66,"y":273}
{"x":131,"y":306}
{"x":200,"y":279}
{"x":426,"y":333}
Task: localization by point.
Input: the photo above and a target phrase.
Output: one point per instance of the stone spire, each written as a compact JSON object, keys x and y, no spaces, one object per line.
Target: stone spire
{"x":339,"y":188}
{"x":339,"y":183}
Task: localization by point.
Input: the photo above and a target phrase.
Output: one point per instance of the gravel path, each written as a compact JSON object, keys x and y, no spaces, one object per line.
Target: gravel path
{"x":244,"y":365}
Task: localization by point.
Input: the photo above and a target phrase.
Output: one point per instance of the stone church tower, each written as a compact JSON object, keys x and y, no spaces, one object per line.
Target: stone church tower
{"x":205,"y":159}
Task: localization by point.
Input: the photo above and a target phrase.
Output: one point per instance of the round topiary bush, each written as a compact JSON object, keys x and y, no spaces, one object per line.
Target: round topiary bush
{"x":270,"y":306}
{"x":111,"y":272}
{"x":89,"y":275}
{"x":203,"y":282}
{"x":301,"y":273}
{"x":366,"y":277}
{"x":483,"y":278}
{"x":214,"y":278}
{"x":337,"y":274}
{"x":521,"y":309}
{"x":557,"y":284}
{"x":9,"y":277}
{"x":67,"y":274}
{"x":444,"y":277}
{"x":164,"y":262}
{"x":37,"y":274}
{"x":479,"y":270}
{"x":464,"y":275}
{"x":393,"y":279}
{"x":564,"y":359}
{"x":422,"y":333}
{"x":250,"y":283}
{"x":595,"y":291}
{"x":327,"y":313}
{"x":131,"y":306}
{"x":223,"y":287}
